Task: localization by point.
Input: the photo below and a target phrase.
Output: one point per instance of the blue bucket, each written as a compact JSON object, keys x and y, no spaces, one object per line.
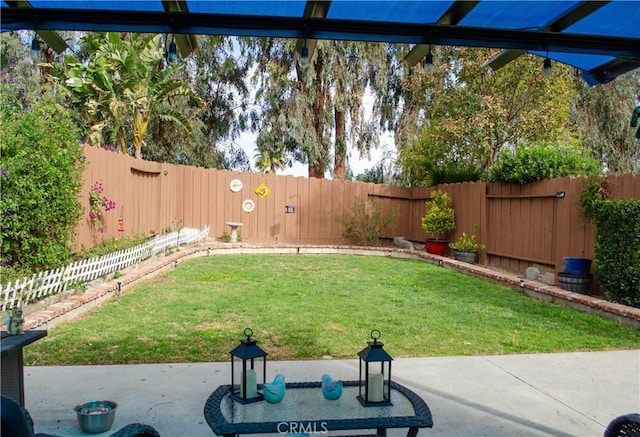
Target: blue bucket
{"x":576,"y":266}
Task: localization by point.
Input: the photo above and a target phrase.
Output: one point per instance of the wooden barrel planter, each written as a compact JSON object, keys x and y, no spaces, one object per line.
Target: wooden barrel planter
{"x":577,"y":283}
{"x":464,"y":255}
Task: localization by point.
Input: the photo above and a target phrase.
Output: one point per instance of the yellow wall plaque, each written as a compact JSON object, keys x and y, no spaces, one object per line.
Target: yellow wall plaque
{"x":262,"y":191}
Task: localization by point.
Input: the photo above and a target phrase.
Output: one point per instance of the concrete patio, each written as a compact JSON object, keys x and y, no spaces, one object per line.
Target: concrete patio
{"x":567,"y":394}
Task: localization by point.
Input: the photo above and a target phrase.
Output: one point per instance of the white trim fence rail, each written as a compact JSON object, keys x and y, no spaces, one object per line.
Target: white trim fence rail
{"x":52,"y":282}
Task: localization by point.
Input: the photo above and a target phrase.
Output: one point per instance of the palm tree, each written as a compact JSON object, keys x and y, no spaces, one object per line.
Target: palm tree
{"x":121,"y":88}
{"x":268,"y":161}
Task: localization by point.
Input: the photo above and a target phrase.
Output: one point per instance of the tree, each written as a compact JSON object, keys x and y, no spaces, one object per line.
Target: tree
{"x":13,"y":55}
{"x":311,"y":112}
{"x":122,"y":87}
{"x":269,"y":163}
{"x":470,"y":115}
{"x":40,"y":175}
{"x":217,"y":75}
{"x":603,"y":113}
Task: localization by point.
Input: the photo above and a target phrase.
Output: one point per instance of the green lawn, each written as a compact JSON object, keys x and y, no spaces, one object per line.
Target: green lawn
{"x":304,"y":307}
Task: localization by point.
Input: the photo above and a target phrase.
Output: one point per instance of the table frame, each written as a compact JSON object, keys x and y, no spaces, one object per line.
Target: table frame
{"x":422,"y":419}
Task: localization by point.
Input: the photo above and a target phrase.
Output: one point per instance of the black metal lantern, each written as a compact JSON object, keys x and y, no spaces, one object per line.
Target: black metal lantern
{"x":375,"y":364}
{"x":245,"y":360}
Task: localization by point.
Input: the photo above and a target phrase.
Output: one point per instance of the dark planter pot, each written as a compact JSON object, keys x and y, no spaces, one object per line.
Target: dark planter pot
{"x":436,"y":247}
{"x":466,"y":256}
{"x":577,"y":283}
{"x":576,"y":266}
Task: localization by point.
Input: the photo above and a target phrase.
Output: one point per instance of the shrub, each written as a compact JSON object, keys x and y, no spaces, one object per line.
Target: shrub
{"x":451,"y":173}
{"x":468,"y":242}
{"x":617,"y":249}
{"x":41,"y":179}
{"x":535,"y":163}
{"x":366,"y":222}
{"x":226,"y":237}
{"x":440,"y":218}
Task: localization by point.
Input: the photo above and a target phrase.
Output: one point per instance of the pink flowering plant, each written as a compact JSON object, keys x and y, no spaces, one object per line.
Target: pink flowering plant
{"x":97,"y":202}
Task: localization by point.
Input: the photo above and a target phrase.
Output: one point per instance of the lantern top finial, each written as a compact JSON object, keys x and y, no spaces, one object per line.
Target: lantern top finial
{"x":375,"y":335}
{"x":248,"y":347}
{"x":374,"y":350}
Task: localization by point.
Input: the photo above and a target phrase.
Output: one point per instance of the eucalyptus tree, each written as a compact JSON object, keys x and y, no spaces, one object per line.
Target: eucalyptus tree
{"x":603,"y":112}
{"x":122,"y":86}
{"x":311,"y":113}
{"x":13,"y":54}
{"x":16,"y":64}
{"x":217,"y":74}
{"x":468,"y":115}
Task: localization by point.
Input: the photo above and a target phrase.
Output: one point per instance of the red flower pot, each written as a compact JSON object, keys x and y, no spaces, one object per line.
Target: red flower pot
{"x":437,"y":247}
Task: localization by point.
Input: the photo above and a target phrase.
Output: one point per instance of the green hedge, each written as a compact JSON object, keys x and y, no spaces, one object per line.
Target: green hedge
{"x":617,"y":250}
{"x":41,"y":178}
{"x":535,"y":163}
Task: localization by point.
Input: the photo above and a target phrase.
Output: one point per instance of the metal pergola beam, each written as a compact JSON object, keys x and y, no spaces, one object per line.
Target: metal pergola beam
{"x":186,"y":43}
{"x":214,"y":24}
{"x":312,"y":9}
{"x":611,"y":70}
{"x":452,"y":16}
{"x":571,"y":17}
{"x":52,"y":39}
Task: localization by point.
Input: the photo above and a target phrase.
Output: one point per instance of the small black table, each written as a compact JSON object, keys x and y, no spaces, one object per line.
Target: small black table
{"x":12,"y":369}
{"x":305,"y":411}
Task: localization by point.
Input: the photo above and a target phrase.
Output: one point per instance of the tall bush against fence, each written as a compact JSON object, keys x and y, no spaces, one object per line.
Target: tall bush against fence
{"x":40,"y":176}
{"x":617,"y":250}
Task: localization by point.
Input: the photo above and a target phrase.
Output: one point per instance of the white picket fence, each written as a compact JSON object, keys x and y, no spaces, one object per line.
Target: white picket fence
{"x":52,"y":282}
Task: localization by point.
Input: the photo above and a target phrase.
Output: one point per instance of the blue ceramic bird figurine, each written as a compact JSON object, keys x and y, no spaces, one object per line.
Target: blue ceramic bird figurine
{"x":331,"y":389}
{"x":273,"y":392}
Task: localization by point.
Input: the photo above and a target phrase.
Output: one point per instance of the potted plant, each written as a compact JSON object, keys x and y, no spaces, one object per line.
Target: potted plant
{"x":467,"y":247}
{"x":438,"y":222}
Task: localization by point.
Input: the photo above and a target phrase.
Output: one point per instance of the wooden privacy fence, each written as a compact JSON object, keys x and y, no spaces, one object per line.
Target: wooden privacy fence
{"x":521,"y":225}
{"x":535,"y":224}
{"x":52,"y":282}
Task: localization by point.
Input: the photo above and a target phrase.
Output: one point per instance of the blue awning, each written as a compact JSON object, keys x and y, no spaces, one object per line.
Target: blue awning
{"x":599,"y":38}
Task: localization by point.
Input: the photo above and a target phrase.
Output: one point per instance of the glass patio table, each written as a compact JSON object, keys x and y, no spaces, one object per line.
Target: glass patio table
{"x":304,"y":410}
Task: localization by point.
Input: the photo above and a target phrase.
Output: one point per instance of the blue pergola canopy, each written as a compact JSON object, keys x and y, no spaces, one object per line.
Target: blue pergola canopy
{"x":599,"y":38}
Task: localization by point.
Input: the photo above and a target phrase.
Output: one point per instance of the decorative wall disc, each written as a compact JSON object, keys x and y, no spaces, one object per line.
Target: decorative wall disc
{"x":235,"y":185}
{"x":248,"y":205}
